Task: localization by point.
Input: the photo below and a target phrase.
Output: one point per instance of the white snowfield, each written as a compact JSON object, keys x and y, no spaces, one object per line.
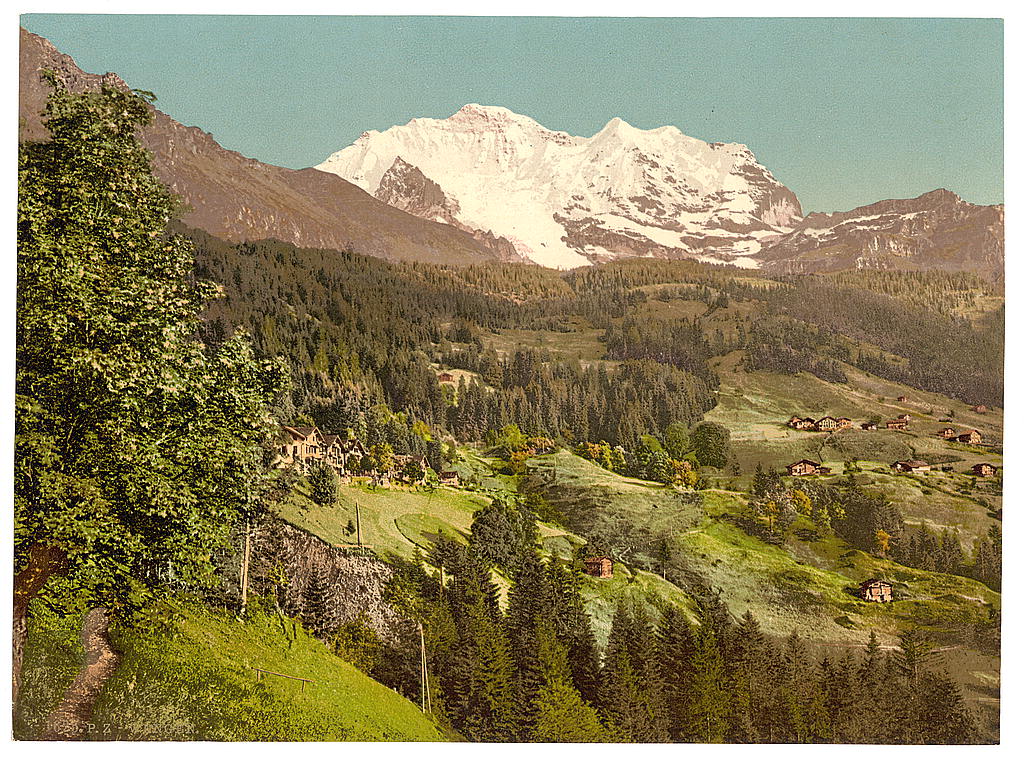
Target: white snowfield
{"x":564,"y":201}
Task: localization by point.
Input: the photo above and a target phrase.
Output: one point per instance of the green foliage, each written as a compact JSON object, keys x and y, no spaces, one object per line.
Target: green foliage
{"x":356,"y":642}
{"x":323,"y":484}
{"x":711,"y":444}
{"x":136,"y":445}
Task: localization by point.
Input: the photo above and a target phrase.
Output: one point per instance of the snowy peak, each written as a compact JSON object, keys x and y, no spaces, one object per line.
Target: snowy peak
{"x":566,"y":201}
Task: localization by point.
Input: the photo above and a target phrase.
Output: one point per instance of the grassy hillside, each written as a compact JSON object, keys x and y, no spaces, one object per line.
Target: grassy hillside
{"x":191,"y":676}
{"x":806,"y":586}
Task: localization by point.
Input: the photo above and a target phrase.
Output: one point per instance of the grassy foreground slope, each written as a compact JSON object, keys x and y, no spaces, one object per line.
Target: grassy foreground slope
{"x":192,"y":677}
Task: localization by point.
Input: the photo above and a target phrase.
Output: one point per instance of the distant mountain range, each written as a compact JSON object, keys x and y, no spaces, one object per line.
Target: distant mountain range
{"x":487,"y":185}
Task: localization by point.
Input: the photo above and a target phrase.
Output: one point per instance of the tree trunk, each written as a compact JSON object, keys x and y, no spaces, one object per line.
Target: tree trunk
{"x":72,"y":717}
{"x":44,"y":561}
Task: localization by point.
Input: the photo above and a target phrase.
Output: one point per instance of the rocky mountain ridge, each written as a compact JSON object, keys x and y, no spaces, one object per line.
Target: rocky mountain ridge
{"x":937,"y":230}
{"x":241,"y":199}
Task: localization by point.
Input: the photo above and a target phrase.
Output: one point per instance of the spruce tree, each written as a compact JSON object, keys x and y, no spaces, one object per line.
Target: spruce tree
{"x":709,"y":700}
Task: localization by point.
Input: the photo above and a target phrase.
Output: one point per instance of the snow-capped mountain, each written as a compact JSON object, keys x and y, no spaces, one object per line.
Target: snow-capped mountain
{"x":937,"y":230}
{"x":566,"y":201}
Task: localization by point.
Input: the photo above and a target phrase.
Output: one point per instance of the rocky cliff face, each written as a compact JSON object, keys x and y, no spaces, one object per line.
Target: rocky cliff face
{"x":566,"y":201}
{"x":937,"y":230}
{"x":357,"y":583}
{"x":240,"y":199}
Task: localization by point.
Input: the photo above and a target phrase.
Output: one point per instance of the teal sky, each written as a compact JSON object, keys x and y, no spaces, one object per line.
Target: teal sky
{"x":843,"y":111}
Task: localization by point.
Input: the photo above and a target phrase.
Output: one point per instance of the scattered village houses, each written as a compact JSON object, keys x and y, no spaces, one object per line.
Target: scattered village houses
{"x":901,"y":398}
{"x":445,"y":377}
{"x":910,"y":466}
{"x":599,"y":566}
{"x":984,"y":469}
{"x":947,"y":433}
{"x":980,"y":408}
{"x":896,"y":425}
{"x":869,"y":426}
{"x":807,"y":467}
{"x":876,"y":590}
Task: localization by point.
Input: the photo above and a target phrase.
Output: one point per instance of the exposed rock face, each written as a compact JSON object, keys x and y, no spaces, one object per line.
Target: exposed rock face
{"x":240,"y":199}
{"x":566,"y":201}
{"x":404,"y":186}
{"x":357,"y":582}
{"x":937,"y":230}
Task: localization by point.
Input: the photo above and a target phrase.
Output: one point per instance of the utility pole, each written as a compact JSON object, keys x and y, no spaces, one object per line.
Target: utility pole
{"x":424,"y":680}
{"x":246,"y":552}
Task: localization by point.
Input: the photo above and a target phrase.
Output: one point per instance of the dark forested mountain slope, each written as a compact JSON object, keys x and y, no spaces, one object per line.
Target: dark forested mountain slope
{"x":241,"y":199}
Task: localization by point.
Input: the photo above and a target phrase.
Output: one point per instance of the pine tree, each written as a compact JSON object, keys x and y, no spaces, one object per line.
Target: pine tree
{"x":676,"y":647}
{"x":560,"y":713}
{"x":708,"y":703}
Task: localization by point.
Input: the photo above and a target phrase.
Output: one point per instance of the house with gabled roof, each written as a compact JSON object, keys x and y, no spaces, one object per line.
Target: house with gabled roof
{"x":910,"y":466}
{"x":807,"y":467}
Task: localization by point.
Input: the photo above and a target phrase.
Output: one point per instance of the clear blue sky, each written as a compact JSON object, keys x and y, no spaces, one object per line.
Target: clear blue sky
{"x":843,"y":111}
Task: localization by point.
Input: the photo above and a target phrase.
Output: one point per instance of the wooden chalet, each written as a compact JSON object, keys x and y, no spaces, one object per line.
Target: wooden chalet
{"x":801,"y":424}
{"x":904,"y":416}
{"x":947,"y":433}
{"x":828,"y":423}
{"x":807,"y":467}
{"x":901,"y":398}
{"x":910,"y":466}
{"x":332,"y":451}
{"x":599,"y":566}
{"x":876,"y":590}
{"x":449,"y":478}
{"x":445,"y":377}
{"x":980,"y":408}
{"x":352,"y":453}
{"x":984,"y":469}
{"x":869,"y":426}
{"x":844,"y":422}
{"x":302,"y":444}
{"x":896,"y":425}
{"x":969,"y":437}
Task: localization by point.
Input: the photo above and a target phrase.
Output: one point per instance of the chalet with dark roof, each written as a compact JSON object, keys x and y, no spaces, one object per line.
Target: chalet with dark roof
{"x":807,"y":467}
{"x":449,"y":478}
{"x":969,"y":437}
{"x":947,"y":433}
{"x":910,"y":466}
{"x":984,"y":469}
{"x":896,"y":425}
